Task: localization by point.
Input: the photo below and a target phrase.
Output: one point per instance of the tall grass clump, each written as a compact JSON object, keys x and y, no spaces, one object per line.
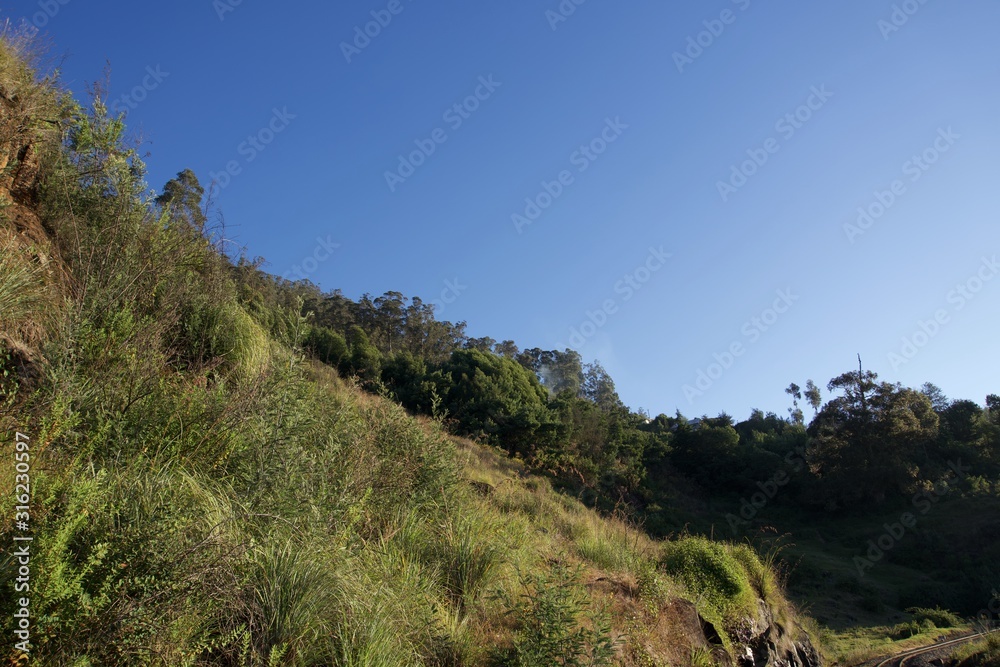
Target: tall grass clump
{"x":26,"y":301}
{"x":984,"y":653}
{"x":465,"y":547}
{"x":612,"y":544}
{"x":939,"y":618}
{"x":762,"y":578}
{"x":288,"y":602}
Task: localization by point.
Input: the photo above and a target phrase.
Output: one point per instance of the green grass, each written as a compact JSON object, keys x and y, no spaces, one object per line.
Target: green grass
{"x":27,"y":302}
{"x":981,"y":653}
{"x":859,"y":644}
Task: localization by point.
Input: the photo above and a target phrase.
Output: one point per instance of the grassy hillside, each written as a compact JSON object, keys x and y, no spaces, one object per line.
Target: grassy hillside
{"x":201,"y":493}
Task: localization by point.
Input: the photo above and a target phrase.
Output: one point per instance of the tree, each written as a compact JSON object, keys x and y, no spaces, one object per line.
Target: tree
{"x":181,"y":201}
{"x":417,"y":328}
{"x":960,"y":419}
{"x":795,"y":412}
{"x":708,"y":454}
{"x":600,"y":388}
{"x":937,"y":398}
{"x":413,"y":385}
{"x":507,"y":348}
{"x":333,"y":310}
{"x":993,"y":408}
{"x":365,"y":361}
{"x":867,"y":438}
{"x":557,"y":371}
{"x":389,"y":321}
{"x":497,"y":398}
{"x":813,"y":396}
{"x":988,"y":429}
{"x":484,"y":344}
{"x":326,"y":345}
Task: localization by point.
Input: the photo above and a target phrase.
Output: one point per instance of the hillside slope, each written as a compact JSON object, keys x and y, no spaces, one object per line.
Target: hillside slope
{"x":202,"y":494}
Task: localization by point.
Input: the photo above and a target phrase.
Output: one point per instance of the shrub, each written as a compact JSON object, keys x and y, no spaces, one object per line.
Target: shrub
{"x":905,"y":630}
{"x":939,"y":618}
{"x":556,"y":628}
{"x":326,"y":345}
{"x":711,"y":572}
{"x":116,"y":582}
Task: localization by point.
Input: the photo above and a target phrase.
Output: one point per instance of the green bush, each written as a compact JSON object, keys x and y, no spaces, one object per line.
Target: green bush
{"x":939,"y":618}
{"x":326,"y":345}
{"x":725,"y":581}
{"x":712,"y":573}
{"x":556,"y":626}
{"x":905,"y":630}
{"x":128,"y":565}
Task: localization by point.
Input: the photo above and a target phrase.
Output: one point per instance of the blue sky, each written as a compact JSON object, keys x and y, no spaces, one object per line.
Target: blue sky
{"x":742,"y":157}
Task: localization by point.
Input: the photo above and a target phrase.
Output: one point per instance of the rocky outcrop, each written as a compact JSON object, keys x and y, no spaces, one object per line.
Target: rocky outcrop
{"x":760,"y":640}
{"x":24,"y":239}
{"x":679,"y":631}
{"x":763,"y":640}
{"x":780,"y":648}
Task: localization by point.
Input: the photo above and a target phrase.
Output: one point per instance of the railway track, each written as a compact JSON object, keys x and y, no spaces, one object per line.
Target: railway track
{"x":899,"y":660}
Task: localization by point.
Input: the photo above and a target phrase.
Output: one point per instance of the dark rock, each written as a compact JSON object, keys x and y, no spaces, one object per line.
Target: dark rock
{"x":482,"y":487}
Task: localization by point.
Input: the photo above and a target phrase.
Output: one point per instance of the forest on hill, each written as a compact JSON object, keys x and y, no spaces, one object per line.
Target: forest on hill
{"x":868,"y":448}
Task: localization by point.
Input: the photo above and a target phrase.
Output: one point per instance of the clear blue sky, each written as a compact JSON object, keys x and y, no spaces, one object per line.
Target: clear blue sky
{"x":931,"y":84}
